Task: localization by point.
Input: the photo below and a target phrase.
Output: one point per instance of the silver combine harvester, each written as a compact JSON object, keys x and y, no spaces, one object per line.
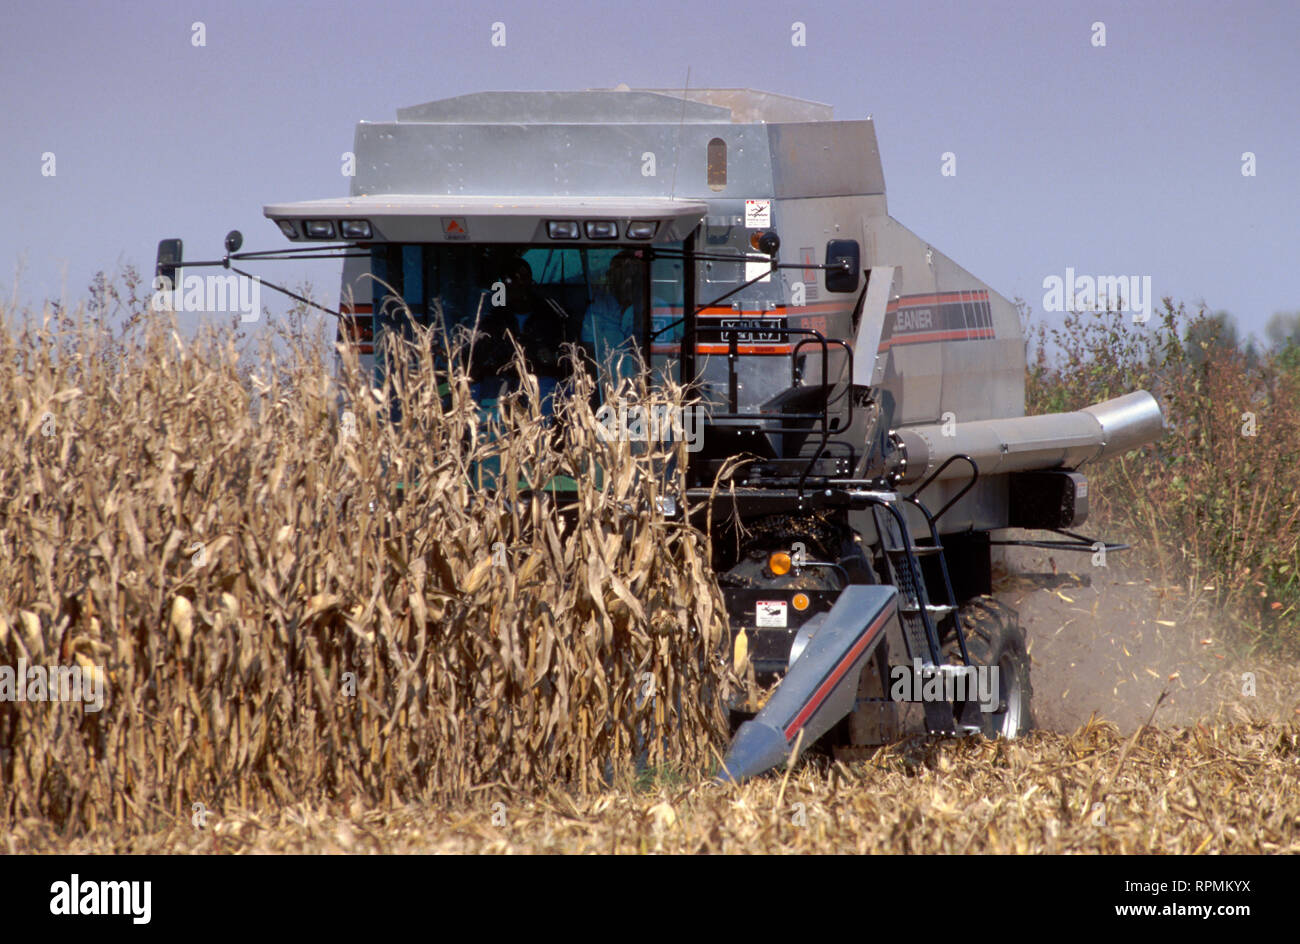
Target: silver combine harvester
{"x":740,"y":242}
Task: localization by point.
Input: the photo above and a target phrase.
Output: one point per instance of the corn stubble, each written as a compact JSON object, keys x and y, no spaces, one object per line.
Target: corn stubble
{"x":288,"y":605}
{"x":1225,"y":788}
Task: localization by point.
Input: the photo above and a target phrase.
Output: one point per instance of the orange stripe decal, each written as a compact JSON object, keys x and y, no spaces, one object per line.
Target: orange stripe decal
{"x":959,"y":334}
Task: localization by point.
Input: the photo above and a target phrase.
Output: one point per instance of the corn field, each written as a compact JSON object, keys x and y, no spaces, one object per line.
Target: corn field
{"x":1211,"y":789}
{"x":291,"y":588}
{"x":326,"y":616}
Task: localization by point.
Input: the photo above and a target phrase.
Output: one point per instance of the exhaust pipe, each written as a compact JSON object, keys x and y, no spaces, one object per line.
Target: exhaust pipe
{"x":1024,"y":443}
{"x":821,"y":686}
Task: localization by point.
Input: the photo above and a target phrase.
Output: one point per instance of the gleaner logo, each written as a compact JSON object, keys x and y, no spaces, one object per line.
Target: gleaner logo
{"x":102,"y":898}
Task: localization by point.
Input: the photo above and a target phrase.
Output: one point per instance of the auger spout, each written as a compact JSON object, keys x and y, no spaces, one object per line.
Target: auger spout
{"x":1047,"y":441}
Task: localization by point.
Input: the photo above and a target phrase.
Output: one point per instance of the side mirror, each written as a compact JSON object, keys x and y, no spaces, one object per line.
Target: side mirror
{"x":234,"y":239}
{"x":843,"y":265}
{"x":169,"y":262}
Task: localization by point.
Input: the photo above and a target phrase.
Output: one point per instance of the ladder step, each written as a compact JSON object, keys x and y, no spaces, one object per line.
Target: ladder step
{"x":918,"y":551}
{"x":934,"y":609}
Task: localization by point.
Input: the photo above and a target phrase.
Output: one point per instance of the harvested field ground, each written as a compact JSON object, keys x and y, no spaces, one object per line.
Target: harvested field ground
{"x":1207,"y":789}
{"x":1109,"y":641}
{"x":1217,"y":772}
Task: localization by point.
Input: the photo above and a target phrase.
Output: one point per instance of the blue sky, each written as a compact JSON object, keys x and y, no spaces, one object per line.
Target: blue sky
{"x":1124,"y":159}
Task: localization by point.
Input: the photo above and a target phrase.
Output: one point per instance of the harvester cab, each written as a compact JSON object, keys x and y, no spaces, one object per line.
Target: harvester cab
{"x":739,"y":242}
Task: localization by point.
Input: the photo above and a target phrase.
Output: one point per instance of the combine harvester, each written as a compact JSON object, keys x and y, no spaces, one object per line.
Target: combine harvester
{"x":740,"y":242}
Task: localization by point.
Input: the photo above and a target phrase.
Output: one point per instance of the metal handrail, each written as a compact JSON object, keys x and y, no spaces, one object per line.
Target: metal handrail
{"x":929,"y":479}
{"x":811,"y":336}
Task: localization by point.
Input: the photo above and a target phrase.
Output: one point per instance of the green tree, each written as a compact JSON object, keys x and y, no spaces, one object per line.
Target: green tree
{"x":1283,"y":330}
{"x":1209,"y":335}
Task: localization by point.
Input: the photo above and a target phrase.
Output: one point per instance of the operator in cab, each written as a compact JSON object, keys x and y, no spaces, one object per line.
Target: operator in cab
{"x":614,"y":326}
{"x":526,"y":317}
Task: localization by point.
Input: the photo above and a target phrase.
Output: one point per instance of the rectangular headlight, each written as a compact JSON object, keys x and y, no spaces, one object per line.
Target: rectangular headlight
{"x":563,"y":229}
{"x":318,"y":229}
{"x":602,"y":229}
{"x":355,"y":229}
{"x":642,"y":229}
{"x":287,"y":227}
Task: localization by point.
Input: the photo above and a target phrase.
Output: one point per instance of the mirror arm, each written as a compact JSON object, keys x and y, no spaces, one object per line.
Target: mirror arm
{"x":284,"y":291}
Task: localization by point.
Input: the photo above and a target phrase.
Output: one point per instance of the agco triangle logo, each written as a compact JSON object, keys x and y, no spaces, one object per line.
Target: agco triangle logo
{"x":455,"y":227}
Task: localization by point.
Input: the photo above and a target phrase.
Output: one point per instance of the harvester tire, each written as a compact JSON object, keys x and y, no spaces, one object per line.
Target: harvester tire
{"x":994,"y":637}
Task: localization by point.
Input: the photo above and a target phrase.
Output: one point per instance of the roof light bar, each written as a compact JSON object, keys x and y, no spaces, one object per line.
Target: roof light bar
{"x":563,"y":229}
{"x":602,"y":229}
{"x":355,"y":229}
{"x":318,"y":229}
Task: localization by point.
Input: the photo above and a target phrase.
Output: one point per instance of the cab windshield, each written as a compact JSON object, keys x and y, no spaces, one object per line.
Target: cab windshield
{"x":610,"y":301}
